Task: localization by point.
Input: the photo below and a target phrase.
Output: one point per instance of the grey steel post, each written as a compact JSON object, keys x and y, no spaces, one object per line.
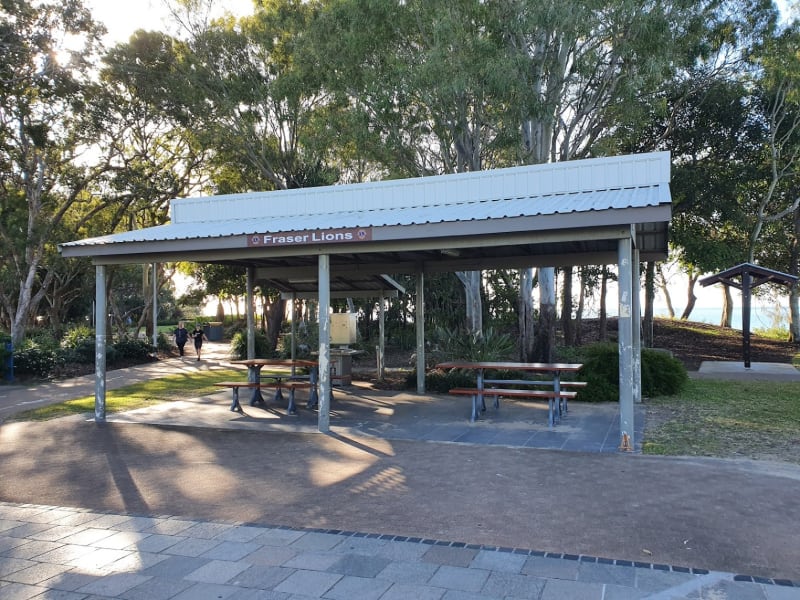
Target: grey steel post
{"x":636,"y":322}
{"x":419,"y":311}
{"x":155,"y":304}
{"x":381,"y":336}
{"x":746,"y":283}
{"x":251,"y":327}
{"x":294,"y":328}
{"x":625,"y":344}
{"x":101,"y":321}
{"x":324,"y":417}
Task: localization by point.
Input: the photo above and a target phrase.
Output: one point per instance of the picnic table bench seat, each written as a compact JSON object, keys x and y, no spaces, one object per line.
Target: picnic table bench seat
{"x":534,"y":382}
{"x":289,"y":384}
{"x":550,"y":395}
{"x":562,"y":399}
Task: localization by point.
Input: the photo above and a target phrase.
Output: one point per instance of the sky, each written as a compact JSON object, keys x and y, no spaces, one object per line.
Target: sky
{"x":123,"y":18}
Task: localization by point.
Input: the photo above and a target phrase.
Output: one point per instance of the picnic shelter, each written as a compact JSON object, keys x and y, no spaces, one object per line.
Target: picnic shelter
{"x":611,"y":210}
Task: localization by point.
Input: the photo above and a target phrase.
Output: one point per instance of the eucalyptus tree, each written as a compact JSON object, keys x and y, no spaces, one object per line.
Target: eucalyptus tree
{"x":730,"y":165}
{"x":417,"y":81}
{"x":45,"y":92}
{"x":151,"y":150}
{"x":579,"y":66}
{"x":467,"y":85}
{"x":714,"y":138}
{"x":779,"y":62}
{"x":777,"y":206}
{"x":252,"y":103}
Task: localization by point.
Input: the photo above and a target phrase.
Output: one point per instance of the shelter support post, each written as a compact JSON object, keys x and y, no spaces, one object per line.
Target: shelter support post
{"x":324,"y":418}
{"x":419,"y":312}
{"x":101,"y":324}
{"x":292,"y":313}
{"x":636,"y":322}
{"x":381,"y":336}
{"x":626,"y":380}
{"x":251,"y":328}
{"x":155,"y":304}
{"x":746,"y":283}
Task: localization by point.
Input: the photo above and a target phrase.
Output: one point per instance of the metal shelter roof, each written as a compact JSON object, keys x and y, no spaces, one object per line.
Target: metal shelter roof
{"x":758,"y":276}
{"x":351,"y":286}
{"x":567,"y":213}
{"x":751,"y":276}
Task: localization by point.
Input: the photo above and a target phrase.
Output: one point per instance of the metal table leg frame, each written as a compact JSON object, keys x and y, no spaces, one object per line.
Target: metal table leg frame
{"x":254,"y":376}
{"x":291,"y":409}
{"x":235,"y":406}
{"x":313,"y":395}
{"x":474,"y":416}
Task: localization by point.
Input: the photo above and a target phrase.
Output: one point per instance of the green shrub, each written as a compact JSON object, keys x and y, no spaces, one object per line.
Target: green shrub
{"x":491,"y":345}
{"x":307,"y":342}
{"x":662,"y":375}
{"x":34,"y":360}
{"x":131,"y":349}
{"x":239,"y":346}
{"x":4,"y":354}
{"x":78,"y":345}
{"x":163,"y":343}
{"x":111,"y":355}
{"x":42,"y":339}
{"x":76,"y":336}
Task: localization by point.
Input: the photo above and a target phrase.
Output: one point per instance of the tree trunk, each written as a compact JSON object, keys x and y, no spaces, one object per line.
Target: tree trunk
{"x":471,"y":280}
{"x":546,"y":338}
{"x":662,"y":284}
{"x":649,"y":299}
{"x":691,"y":299}
{"x":526,"y":316}
{"x":566,"y":308}
{"x":275,"y":313}
{"x":727,"y":307}
{"x":603,"y":324}
{"x":794,"y":290}
{"x":578,"y":340}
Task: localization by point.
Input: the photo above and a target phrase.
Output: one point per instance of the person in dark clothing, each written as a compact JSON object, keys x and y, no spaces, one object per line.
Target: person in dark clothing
{"x":181,"y":336}
{"x":198,"y":336}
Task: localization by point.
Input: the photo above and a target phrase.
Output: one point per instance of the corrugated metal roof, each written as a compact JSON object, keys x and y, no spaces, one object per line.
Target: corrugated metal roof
{"x":453,"y":212}
{"x":530,"y":181}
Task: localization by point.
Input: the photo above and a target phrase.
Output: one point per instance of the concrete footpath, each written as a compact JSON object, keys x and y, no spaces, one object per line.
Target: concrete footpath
{"x":132,"y":510}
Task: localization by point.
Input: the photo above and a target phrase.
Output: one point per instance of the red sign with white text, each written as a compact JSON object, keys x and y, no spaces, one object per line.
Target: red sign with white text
{"x":320,"y":236}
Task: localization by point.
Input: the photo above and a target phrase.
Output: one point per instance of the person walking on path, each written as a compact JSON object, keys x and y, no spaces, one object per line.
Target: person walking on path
{"x":181,"y":336}
{"x":198,"y":336}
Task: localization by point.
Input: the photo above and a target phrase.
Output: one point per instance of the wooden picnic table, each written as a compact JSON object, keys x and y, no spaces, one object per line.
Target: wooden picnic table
{"x":480,"y":390}
{"x":254,"y":375}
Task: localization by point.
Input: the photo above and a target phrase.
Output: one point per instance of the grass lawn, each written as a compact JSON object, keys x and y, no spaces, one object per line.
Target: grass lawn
{"x":747,"y":419}
{"x":138,"y":395}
